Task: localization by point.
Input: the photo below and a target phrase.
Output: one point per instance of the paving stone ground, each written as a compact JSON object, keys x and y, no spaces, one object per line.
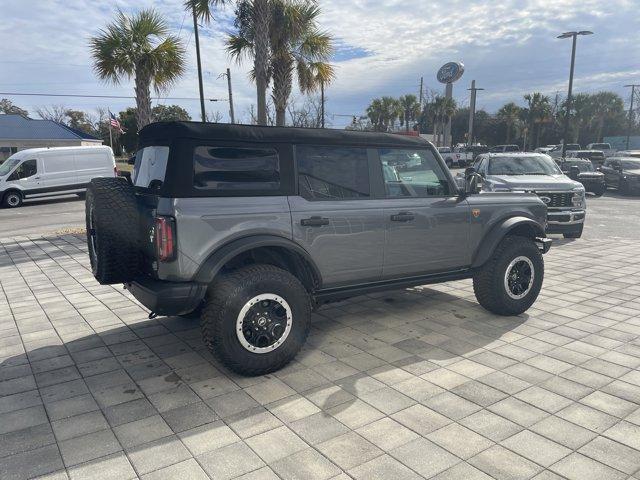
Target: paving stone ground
{"x":418,"y":383}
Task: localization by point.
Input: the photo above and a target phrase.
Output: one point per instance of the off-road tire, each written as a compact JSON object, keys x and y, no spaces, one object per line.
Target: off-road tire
{"x":114,"y":250}
{"x":488,"y":282}
{"x":224,"y":301}
{"x":12,"y":199}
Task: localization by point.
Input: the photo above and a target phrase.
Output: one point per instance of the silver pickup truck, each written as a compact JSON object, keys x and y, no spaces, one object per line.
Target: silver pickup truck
{"x":537,"y":173}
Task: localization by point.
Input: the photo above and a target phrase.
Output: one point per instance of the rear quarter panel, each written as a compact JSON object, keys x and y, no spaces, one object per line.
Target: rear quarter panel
{"x":206,"y":223}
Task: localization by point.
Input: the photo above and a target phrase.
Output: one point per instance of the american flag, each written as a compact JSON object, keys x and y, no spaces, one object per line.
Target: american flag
{"x":113,"y":121}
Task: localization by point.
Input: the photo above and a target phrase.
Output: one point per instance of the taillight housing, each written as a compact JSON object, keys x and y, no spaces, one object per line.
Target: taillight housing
{"x":165,"y":233}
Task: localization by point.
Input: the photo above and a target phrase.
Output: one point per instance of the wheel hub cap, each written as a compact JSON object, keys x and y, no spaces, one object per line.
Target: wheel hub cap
{"x":264,"y":323}
{"x":518,"y":277}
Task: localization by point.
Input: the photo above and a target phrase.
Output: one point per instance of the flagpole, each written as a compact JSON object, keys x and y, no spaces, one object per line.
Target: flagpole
{"x":110,"y":137}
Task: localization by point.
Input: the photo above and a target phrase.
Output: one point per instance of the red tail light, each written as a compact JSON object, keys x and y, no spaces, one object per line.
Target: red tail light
{"x":165,"y":238}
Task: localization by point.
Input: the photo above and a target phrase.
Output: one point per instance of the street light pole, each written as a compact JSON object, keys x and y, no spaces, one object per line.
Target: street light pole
{"x":574,"y":36}
{"x":630,"y":126}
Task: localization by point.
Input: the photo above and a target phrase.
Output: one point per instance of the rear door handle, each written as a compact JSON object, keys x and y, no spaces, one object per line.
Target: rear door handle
{"x":403,"y":217}
{"x":314,"y":222}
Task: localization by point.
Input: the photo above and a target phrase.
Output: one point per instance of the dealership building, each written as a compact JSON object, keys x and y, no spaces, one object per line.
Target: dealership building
{"x":19,"y":133}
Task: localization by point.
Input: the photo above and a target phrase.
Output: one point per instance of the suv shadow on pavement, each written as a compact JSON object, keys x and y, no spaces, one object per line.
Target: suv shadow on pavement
{"x":96,"y":387}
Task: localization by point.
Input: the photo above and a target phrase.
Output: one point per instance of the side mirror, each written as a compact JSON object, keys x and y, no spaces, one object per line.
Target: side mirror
{"x":473,"y":183}
{"x":574,"y":171}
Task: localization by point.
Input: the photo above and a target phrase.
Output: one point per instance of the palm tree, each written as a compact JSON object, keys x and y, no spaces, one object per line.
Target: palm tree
{"x":392,"y":111}
{"x":582,"y":113}
{"x":297,"y":43}
{"x":449,"y":109}
{"x":204,"y":8}
{"x":605,"y":106}
{"x":253,"y":22}
{"x":509,"y":114}
{"x":436,"y":112}
{"x":375,"y":113}
{"x":410,"y":109}
{"x":539,"y":108}
{"x":139,"y":46}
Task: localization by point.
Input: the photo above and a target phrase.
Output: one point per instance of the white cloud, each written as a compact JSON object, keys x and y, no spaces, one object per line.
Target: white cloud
{"x":509,"y":47}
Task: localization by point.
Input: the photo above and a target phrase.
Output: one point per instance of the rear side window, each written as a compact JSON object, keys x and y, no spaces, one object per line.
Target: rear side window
{"x":332,"y":173}
{"x":150,"y":167}
{"x":236,"y":168}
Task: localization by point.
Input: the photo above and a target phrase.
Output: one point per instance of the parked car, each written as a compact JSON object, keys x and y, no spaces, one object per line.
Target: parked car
{"x":537,"y":173}
{"x":252,"y":227}
{"x":582,"y":170}
{"x":546,"y":149}
{"x":596,"y":157}
{"x":556,"y":152}
{"x":504,"y":148}
{"x":454,"y":157}
{"x":623,"y":174}
{"x":604,"y":147}
{"x":628,"y":153}
{"x":44,"y":172}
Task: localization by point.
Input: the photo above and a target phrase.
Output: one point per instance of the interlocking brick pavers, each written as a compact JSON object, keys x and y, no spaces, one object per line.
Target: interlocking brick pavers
{"x":418,"y":383}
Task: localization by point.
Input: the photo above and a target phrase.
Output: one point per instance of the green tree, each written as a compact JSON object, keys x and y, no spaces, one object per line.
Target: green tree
{"x":252,"y":40}
{"x":538,"y":112}
{"x":81,"y":121}
{"x":140,"y":47}
{"x":169,"y":113}
{"x":7,"y":107}
{"x":606,"y":106}
{"x":297,"y":44}
{"x":509,"y":113}
{"x":410,"y":108}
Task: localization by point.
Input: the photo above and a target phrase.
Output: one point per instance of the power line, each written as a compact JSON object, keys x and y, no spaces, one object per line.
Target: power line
{"x":101,"y":96}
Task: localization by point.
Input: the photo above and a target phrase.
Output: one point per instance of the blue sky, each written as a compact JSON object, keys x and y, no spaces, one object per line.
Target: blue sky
{"x":383,"y":48}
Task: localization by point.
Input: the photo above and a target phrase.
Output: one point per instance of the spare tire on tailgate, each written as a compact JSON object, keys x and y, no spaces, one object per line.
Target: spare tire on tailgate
{"x":113,"y":221}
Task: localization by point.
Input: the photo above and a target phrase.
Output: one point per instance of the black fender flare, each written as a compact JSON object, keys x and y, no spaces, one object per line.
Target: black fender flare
{"x":498,"y":232}
{"x":210,"y":268}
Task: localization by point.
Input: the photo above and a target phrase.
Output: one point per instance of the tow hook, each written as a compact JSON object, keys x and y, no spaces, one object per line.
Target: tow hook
{"x":152,"y":315}
{"x":544,"y":244}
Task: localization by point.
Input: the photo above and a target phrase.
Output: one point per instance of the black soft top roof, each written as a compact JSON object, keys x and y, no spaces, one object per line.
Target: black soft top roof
{"x":167,"y":131}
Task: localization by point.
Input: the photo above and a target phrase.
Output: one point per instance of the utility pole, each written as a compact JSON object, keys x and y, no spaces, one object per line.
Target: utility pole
{"x":472,"y":110}
{"x":630,"y":127}
{"x":321,"y":104}
{"x":231,"y":114}
{"x":574,"y":37}
{"x":197,"y":37}
{"x":421,"y":91}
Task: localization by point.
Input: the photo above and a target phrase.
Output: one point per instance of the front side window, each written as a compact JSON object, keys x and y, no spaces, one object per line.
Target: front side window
{"x":412,"y":173}
{"x":8,"y":165}
{"x":332,"y":173}
{"x":26,"y":169}
{"x":523,"y":165}
{"x":236,"y":168}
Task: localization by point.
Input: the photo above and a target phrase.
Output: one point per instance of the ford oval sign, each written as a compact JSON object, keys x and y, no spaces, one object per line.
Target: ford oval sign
{"x":450,"y":72}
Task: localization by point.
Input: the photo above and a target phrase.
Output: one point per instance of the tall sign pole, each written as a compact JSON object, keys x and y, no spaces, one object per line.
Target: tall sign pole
{"x":630,"y":126}
{"x":472,"y":111}
{"x":449,"y":73}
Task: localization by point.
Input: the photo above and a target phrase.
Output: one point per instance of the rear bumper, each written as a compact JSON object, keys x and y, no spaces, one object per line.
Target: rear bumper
{"x":168,"y":298}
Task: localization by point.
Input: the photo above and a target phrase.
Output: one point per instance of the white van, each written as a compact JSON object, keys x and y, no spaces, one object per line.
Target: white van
{"x":43,"y":172}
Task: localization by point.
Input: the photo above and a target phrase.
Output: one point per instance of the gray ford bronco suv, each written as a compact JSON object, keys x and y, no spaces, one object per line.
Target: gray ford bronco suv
{"x":251,"y":228}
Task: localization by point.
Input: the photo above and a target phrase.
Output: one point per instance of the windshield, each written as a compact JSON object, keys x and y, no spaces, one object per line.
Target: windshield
{"x":572,"y":146}
{"x":538,"y":165}
{"x":630,"y":164}
{"x":590,"y":154}
{"x":601,"y":146}
{"x":7,"y":166}
{"x":583,"y":166}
